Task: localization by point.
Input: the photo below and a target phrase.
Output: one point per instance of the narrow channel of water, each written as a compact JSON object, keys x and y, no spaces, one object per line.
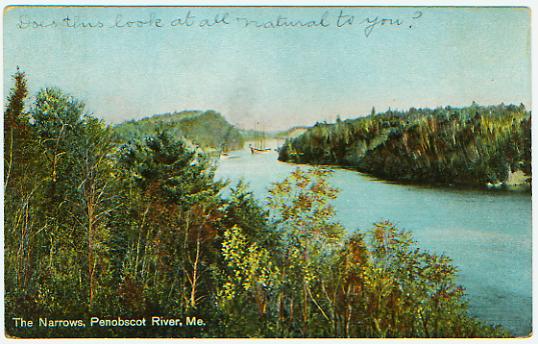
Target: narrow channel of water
{"x":486,"y":233}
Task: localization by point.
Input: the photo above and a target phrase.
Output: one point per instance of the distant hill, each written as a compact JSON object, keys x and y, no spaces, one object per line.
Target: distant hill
{"x":208,"y":129}
{"x":290,"y":133}
{"x":250,"y":134}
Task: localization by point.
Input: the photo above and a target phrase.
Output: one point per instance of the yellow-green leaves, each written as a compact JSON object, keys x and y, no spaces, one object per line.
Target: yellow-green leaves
{"x":248,"y":265}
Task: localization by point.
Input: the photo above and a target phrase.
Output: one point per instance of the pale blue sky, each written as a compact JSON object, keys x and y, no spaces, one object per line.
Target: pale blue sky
{"x":279,"y":77}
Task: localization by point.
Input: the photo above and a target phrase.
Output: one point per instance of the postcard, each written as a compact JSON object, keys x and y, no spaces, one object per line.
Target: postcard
{"x":267,"y":172}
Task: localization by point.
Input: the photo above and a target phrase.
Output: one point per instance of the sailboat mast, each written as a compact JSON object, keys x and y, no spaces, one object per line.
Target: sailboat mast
{"x":263,"y":139}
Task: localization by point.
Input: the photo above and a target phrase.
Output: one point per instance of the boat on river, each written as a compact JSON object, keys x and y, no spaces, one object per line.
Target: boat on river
{"x":255,"y":150}
{"x":260,"y":149}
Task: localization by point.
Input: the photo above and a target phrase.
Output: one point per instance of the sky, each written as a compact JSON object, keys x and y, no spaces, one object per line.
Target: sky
{"x":261,"y":73}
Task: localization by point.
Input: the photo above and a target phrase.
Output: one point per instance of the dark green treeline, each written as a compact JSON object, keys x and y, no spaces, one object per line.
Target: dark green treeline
{"x":99,"y":228}
{"x":474,"y":145}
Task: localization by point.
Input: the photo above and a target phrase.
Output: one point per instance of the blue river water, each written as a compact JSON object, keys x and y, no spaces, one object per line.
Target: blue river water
{"x":486,"y":233}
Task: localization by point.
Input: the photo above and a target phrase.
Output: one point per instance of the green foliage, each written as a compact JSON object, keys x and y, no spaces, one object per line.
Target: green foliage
{"x":208,"y":129}
{"x":250,"y":280}
{"x":16,"y":131}
{"x":304,"y":219}
{"x":393,"y":289}
{"x":250,"y":265}
{"x":183,"y":176}
{"x":96,"y":228}
{"x":372,"y":284}
{"x":18,"y":180}
{"x":62,"y":219}
{"x":175,"y":211}
{"x":469,"y":146}
{"x":243,"y":210}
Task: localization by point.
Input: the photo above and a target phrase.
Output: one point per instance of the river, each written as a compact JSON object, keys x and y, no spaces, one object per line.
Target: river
{"x":486,"y":233}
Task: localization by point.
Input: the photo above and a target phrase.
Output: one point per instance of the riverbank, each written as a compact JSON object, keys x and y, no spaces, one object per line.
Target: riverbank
{"x":487,"y":234}
{"x":517,"y":182}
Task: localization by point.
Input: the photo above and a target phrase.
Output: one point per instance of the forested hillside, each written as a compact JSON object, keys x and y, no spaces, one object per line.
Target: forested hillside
{"x":475,"y":145}
{"x":121,"y":231}
{"x":207,"y":129}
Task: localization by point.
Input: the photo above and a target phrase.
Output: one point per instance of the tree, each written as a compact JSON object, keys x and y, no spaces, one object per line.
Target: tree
{"x":176,"y":217}
{"x":96,"y":198}
{"x":15,"y":126}
{"x":98,"y":228}
{"x":20,"y":188}
{"x":303,"y":216}
{"x":242,"y":210}
{"x":391,"y":288}
{"x":473,"y":146}
{"x":250,"y":279}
